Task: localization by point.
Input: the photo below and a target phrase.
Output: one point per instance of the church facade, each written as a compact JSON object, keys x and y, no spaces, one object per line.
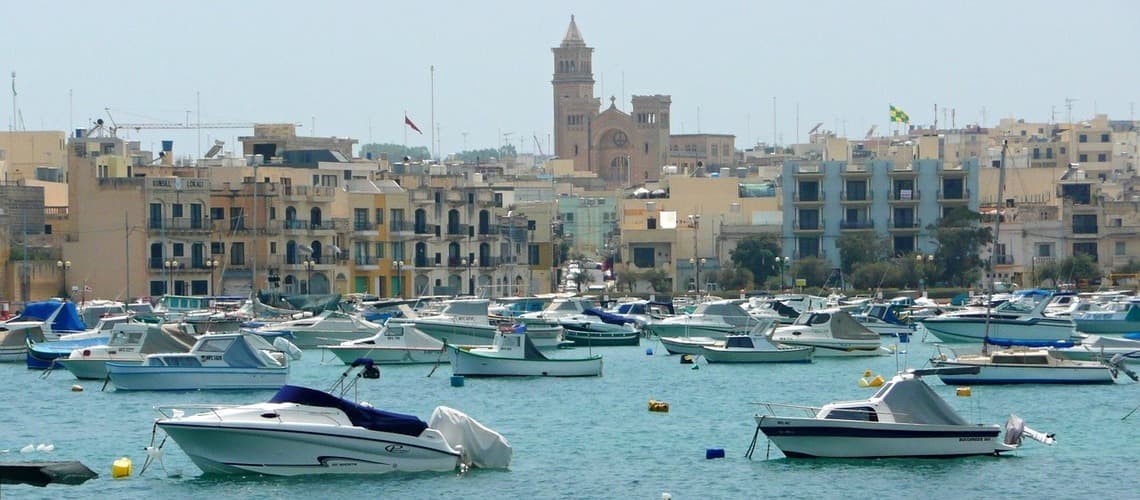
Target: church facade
{"x":625,"y":149}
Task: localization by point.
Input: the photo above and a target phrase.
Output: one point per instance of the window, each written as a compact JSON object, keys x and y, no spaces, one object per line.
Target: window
{"x":179,"y":250}
{"x":176,"y":210}
{"x":217,"y":213}
{"x":1121,"y":248}
{"x":1102,"y":157}
{"x":379,"y":250}
{"x":532,"y":254}
{"x":1044,"y":250}
{"x":237,"y":254}
{"x":217,"y":248}
{"x":1083,"y":157}
{"x":568,"y":216}
{"x":644,"y":257}
{"x":379,"y":216}
{"x":237,"y":218}
{"x":272,"y":248}
{"x":272,"y":213}
{"x":1084,"y":224}
{"x":1083,"y":138}
{"x":1048,"y":153}
{"x":1105,"y":138}
{"x":1063,"y":149}
{"x":1086,"y":248}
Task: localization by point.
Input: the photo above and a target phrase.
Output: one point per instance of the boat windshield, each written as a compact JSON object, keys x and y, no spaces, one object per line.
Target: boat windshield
{"x":813,"y":319}
{"x":1022,"y":305}
{"x":861,"y":413}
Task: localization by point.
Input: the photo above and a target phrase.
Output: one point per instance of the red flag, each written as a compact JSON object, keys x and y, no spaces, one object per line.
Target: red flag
{"x":408,"y":122}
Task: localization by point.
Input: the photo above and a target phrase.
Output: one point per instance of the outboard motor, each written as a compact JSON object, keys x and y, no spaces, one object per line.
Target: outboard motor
{"x":1015,"y":429}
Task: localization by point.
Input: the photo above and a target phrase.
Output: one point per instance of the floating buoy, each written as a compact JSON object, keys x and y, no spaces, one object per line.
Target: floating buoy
{"x":28,"y":449}
{"x":686,"y":359}
{"x":712,"y":453}
{"x":877,"y":381}
{"x":658,"y":406}
{"x":666,"y":496}
{"x":457,"y":380}
{"x":121,"y":468}
{"x":963,"y":392}
{"x":47,"y":448}
{"x":649,"y":351}
{"x":76,"y":388}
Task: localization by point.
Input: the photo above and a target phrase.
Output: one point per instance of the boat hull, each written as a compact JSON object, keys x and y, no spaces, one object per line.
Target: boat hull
{"x":138,"y":377}
{"x":812,"y":437}
{"x":288,"y":450}
{"x":687,"y":345}
{"x":89,"y":369}
{"x":390,"y":355}
{"x":1110,"y":326}
{"x":953,"y":330}
{"x":993,"y":374}
{"x":715,"y":354}
{"x":467,"y":363}
{"x":595,"y":339}
{"x":679,"y":329}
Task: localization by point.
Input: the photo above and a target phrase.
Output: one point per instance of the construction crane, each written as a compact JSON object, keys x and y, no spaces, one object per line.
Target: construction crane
{"x":100,"y":126}
{"x":538,"y":145}
{"x":870,"y":131}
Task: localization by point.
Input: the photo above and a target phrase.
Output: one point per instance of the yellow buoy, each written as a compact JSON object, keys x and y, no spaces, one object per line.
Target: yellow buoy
{"x":658,"y":406}
{"x":121,"y":468}
{"x":877,"y":381}
{"x":867,"y":373}
{"x":963,"y":392}
{"x":867,"y":381}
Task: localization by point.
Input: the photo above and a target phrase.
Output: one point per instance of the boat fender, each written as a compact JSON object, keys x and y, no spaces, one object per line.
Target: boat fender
{"x":283,"y":344}
{"x":76,"y":388}
{"x":712,"y":453}
{"x":962,"y":392}
{"x":658,"y":406}
{"x":649,"y":351}
{"x":686,"y":359}
{"x":121,"y":468}
{"x":457,"y":380}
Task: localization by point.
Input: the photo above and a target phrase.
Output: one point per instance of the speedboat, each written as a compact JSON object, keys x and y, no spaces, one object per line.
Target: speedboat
{"x":1020,"y":320}
{"x":514,"y":355}
{"x":307,"y":431}
{"x":322,"y":329}
{"x":832,"y":332}
{"x":714,"y":319}
{"x":883,"y":319}
{"x":395,"y":344}
{"x":904,"y":418}
{"x":755,"y":348}
{"x":1023,"y":365}
{"x":217,"y":361}
{"x":461,"y":321}
{"x":1115,"y":317}
{"x":42,"y":354}
{"x":129,"y":343}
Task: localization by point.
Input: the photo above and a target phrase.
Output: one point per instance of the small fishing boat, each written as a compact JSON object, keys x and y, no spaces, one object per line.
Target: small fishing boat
{"x":217,"y":361}
{"x":595,"y":327}
{"x":1021,"y":365}
{"x":1114,"y":317}
{"x":129,"y":343}
{"x":832,"y":332}
{"x":395,"y":344}
{"x":307,"y":431}
{"x":42,"y":354}
{"x":904,"y":418}
{"x":1100,"y":348}
{"x":514,"y":355}
{"x":755,"y":348}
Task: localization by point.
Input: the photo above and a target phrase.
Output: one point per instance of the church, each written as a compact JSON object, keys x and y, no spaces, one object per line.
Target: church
{"x":624,"y":149}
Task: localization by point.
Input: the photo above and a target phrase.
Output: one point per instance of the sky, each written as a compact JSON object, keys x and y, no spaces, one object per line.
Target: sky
{"x":763,"y":71}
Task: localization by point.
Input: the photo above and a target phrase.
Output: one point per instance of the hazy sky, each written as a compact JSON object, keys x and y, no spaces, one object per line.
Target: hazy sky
{"x":353,"y":68}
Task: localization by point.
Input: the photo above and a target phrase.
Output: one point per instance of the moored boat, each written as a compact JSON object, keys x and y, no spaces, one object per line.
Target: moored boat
{"x":217,"y":361}
{"x":755,"y":348}
{"x":513,"y":354}
{"x":394,"y":344}
{"x":832,"y":332}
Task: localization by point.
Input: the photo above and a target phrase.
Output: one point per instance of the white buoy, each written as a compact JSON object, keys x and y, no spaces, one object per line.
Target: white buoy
{"x":666,"y":496}
{"x":45,"y":447}
{"x":28,"y":449}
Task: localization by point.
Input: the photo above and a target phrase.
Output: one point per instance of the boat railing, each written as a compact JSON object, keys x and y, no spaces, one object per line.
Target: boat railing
{"x":782,"y":409}
{"x":175,"y":411}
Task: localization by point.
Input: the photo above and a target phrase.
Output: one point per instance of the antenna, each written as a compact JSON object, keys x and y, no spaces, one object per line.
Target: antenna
{"x":870,"y":131}
{"x":816,"y":127}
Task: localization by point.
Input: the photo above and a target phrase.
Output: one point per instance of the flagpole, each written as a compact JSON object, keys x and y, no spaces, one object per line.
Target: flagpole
{"x":405,"y":132}
{"x":433,"y":111}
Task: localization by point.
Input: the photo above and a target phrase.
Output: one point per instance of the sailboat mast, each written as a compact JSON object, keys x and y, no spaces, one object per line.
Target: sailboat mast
{"x":997,"y":231}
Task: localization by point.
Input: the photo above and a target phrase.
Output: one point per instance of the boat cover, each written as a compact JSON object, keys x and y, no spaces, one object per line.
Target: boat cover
{"x":912,"y":401}
{"x":482,"y":447}
{"x":360,"y":416}
{"x":66,"y":321}
{"x":607,"y":317}
{"x":1060,"y":344}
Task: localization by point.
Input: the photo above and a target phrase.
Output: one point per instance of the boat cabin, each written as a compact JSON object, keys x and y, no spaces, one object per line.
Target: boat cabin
{"x":903,"y":399}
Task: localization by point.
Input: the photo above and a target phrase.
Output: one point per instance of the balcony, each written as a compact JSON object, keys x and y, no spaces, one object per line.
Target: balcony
{"x":902,"y":170}
{"x":856,"y":171}
{"x":315,"y":194}
{"x":458,"y":230}
{"x":904,"y":224}
{"x":180,"y":225}
{"x":396,"y":227}
{"x":856,"y":197}
{"x":808,"y":198}
{"x":809,"y":227}
{"x":1089,"y":229}
{"x":809,"y":171}
{"x":364,"y":226}
{"x":295,"y":225}
{"x":485,"y":231}
{"x":904,"y":196}
{"x":366,"y":262}
{"x":955,"y":171}
{"x":425,"y":230}
{"x":485,"y":199}
{"x":1120,"y":260}
{"x":456,"y":197}
{"x":856,"y":225}
{"x":1003,"y":260}
{"x":952,"y":196}
{"x":421,"y":196}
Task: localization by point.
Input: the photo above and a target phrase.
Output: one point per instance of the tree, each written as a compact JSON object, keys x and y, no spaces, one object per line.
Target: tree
{"x":858,"y":249}
{"x":485,"y":155}
{"x":628,"y":280}
{"x":733,"y":278}
{"x":813,"y":270}
{"x":657,"y":278}
{"x":1080,"y":268}
{"x":959,"y":238}
{"x":757,"y":254}
{"x":395,"y":152}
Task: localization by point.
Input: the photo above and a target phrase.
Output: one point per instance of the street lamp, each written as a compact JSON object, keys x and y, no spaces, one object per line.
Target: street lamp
{"x":470,"y":284}
{"x":212,"y":264}
{"x":308,"y":263}
{"x":63,"y":266}
{"x":697,"y":280}
{"x":924,"y":261}
{"x":171,"y":266}
{"x":398,"y":265}
{"x":782,"y":262}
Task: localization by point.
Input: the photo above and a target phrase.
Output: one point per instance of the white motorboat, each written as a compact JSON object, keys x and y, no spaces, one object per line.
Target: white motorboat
{"x":1100,"y":348}
{"x":217,"y":361}
{"x":1019,"y":320}
{"x":1122,"y":316}
{"x":883,"y":319}
{"x":688,"y":345}
{"x":42,"y":354}
{"x":322,"y":329}
{"x":395,"y":344}
{"x":832,"y":332}
{"x":714,"y":319}
{"x":755,"y":348}
{"x":904,"y":418}
{"x":513,"y":354}
{"x":307,"y":431}
{"x":54,"y":318}
{"x":129,"y":343}
{"x":14,"y":339}
{"x":1022,"y":365}
{"x":461,"y":321}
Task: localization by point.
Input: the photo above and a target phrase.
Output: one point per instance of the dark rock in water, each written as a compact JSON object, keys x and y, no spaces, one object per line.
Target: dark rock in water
{"x":45,"y":473}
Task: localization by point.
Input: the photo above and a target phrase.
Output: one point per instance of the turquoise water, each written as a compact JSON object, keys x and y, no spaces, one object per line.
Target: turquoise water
{"x":595,"y":438}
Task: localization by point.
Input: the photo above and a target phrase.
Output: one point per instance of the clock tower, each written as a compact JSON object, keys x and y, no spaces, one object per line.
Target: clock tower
{"x":575,"y":106}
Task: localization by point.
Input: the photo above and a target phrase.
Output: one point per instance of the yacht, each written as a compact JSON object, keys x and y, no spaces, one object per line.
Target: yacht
{"x":1018,"y":320}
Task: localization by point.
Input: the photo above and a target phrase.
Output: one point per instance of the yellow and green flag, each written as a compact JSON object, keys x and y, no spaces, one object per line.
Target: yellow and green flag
{"x":898,"y":115}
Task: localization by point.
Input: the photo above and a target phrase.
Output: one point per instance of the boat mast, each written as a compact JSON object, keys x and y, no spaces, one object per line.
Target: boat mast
{"x":997,"y":231}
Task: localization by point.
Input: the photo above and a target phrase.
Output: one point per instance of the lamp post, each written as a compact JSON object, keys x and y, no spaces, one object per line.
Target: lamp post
{"x":309,"y":274}
{"x":470,"y":284}
{"x":171,"y":266}
{"x":924,"y":261}
{"x":63,"y":266}
{"x":398,"y":265}
{"x":212,"y":265}
{"x":782,"y":262}
{"x":697,"y":280}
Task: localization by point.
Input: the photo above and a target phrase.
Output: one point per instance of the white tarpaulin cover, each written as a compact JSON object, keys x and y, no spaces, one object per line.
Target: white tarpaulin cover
{"x":482,"y":447}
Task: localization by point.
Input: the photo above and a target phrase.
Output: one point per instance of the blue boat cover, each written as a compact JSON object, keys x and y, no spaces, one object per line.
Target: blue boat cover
{"x":607,"y":317}
{"x":66,"y":321}
{"x":360,"y":416}
{"x":1029,"y":343}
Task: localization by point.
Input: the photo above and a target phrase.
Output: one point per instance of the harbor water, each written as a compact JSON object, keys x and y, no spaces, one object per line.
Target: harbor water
{"x":595,"y":438}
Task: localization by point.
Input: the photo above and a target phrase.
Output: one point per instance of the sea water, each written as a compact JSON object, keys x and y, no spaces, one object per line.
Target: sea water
{"x":595,"y":438}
